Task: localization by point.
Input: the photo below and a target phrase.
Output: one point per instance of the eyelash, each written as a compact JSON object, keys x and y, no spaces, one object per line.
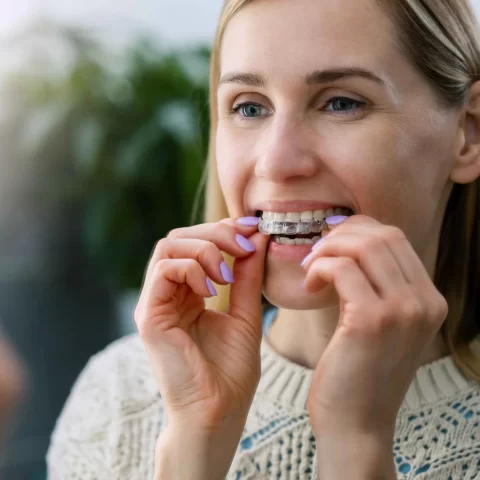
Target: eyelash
{"x":236,"y":108}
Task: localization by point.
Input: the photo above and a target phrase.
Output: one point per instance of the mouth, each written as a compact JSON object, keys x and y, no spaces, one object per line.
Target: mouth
{"x":297,"y":228}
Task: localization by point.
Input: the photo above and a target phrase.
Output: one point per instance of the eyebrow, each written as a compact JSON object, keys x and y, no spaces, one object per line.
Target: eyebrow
{"x":317,"y":77}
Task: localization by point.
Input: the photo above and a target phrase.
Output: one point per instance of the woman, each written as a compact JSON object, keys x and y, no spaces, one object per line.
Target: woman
{"x":363,"y":112}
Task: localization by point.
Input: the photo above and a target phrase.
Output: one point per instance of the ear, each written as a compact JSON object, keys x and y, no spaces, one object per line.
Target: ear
{"x":466,"y":167}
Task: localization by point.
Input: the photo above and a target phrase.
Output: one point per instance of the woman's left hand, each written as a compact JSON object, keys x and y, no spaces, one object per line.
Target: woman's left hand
{"x":390,"y":311}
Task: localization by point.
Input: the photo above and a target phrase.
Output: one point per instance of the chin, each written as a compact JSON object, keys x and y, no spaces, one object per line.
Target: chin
{"x":283,"y":288}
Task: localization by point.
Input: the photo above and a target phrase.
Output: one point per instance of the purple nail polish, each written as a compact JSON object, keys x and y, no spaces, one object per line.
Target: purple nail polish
{"x":336,"y":219}
{"x":226,"y":273}
{"x":248,"y":221}
{"x":319,"y":242}
{"x":306,"y":259}
{"x":210,"y":287}
{"x":247,"y":245}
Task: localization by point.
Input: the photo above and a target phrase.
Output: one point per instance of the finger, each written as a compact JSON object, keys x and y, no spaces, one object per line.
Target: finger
{"x":246,"y":292}
{"x":353,"y":223}
{"x":348,"y":279}
{"x":407,"y":259}
{"x":163,"y":284}
{"x":228,"y":236}
{"x":372,"y":255}
{"x":206,"y":253}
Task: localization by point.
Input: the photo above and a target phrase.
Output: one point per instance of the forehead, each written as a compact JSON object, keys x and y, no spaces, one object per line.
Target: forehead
{"x":292,"y":35}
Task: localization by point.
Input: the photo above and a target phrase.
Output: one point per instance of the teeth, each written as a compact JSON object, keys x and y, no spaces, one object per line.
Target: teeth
{"x":296,"y":241}
{"x":293,"y":217}
{"x":307,"y":216}
{"x":294,"y":223}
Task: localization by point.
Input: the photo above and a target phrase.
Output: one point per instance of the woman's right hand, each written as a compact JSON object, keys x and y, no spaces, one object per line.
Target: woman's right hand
{"x":206,"y":363}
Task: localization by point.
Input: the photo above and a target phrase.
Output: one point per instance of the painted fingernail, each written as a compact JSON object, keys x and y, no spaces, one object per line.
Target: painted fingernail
{"x":336,"y":219}
{"x":247,"y":245}
{"x":211,"y":288}
{"x":248,"y":221}
{"x":319,"y":242}
{"x":306,"y":259}
{"x":226,"y":273}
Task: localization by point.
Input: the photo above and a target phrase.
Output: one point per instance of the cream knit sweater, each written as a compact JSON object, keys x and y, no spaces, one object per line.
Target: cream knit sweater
{"x":110,"y":423}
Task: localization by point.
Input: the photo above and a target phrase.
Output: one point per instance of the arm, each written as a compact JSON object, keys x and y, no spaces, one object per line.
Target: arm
{"x":183,"y":454}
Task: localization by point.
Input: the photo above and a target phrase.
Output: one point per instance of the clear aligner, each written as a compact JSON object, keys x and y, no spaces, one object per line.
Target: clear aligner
{"x":303,"y":227}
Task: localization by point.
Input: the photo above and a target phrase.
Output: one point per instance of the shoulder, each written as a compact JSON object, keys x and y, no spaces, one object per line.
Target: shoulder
{"x":115,"y":395}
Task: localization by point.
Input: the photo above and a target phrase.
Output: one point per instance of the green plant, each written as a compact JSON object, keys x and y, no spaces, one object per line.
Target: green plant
{"x":132,"y":129}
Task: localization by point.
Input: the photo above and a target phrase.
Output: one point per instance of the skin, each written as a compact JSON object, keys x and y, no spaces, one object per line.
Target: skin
{"x":402,"y":144}
{"x":12,"y":381}
{"x":364,"y":297}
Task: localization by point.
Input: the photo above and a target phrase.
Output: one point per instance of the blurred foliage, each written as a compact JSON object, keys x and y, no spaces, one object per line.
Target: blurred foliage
{"x":132,"y":128}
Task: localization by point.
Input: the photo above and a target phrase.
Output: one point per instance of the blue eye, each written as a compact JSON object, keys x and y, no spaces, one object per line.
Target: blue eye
{"x":343,"y":104}
{"x":249,"y":110}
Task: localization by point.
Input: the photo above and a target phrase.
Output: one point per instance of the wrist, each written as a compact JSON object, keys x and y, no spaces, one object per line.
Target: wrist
{"x":355,"y":455}
{"x":195,"y":454}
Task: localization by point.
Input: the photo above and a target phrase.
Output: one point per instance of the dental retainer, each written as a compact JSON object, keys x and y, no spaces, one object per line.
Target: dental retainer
{"x":285,"y":227}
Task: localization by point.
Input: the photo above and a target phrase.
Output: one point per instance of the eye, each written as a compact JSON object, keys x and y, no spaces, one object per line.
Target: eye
{"x":343,"y":104}
{"x":249,"y":110}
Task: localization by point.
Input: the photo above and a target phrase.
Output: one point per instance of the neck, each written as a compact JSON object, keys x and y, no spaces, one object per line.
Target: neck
{"x":302,"y":336}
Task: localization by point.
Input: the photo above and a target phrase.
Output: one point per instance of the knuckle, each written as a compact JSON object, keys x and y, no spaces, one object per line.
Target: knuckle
{"x":439,"y":310}
{"x":159,"y":268}
{"x":161,"y":245}
{"x":392,"y":233}
{"x":411,"y":310}
{"x":209,"y":250}
{"x":345,"y":264}
{"x":175,"y":233}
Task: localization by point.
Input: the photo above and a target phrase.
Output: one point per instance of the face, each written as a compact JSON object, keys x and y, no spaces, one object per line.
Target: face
{"x":317,"y":106}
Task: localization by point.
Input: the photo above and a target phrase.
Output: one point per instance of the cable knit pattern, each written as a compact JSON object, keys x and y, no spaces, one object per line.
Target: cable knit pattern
{"x":112,"y":419}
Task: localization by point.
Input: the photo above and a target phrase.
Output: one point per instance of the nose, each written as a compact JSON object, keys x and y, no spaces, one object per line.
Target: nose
{"x":285,"y":151}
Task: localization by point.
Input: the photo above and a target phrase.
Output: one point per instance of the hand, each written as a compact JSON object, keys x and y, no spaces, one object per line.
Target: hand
{"x":207,"y":363}
{"x":12,"y":380}
{"x":389,"y":311}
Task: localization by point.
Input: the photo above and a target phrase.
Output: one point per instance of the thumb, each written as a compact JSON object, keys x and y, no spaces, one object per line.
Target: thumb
{"x":246,"y":292}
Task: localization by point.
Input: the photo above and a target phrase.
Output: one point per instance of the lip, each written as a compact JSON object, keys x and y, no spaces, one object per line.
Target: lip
{"x":288,"y":252}
{"x":295,"y":205}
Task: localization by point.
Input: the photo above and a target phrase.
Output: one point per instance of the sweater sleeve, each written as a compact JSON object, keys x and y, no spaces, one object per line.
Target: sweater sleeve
{"x":111,"y":421}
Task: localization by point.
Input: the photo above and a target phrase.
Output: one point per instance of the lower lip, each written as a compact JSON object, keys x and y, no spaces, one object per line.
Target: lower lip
{"x":288,"y":252}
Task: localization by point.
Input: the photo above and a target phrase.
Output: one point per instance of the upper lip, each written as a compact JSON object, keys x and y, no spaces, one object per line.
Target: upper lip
{"x":296,"y":205}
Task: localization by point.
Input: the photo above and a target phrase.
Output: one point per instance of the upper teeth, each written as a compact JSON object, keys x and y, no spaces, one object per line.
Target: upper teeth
{"x":307,"y":215}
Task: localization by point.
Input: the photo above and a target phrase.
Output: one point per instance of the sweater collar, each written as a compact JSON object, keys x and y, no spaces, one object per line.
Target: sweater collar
{"x":289,"y":383}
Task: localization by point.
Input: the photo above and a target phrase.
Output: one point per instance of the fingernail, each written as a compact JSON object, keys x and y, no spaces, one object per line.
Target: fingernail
{"x":306,"y":259}
{"x":248,"y":221}
{"x":211,"y":288}
{"x":247,"y":245}
{"x":336,"y":219}
{"x":319,"y":242}
{"x":226,"y":273}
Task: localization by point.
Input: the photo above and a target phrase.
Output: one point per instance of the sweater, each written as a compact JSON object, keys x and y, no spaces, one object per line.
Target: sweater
{"x":111,"y":421}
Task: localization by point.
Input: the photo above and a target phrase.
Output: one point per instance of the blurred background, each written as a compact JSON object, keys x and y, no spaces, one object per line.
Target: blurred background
{"x":103,"y":139}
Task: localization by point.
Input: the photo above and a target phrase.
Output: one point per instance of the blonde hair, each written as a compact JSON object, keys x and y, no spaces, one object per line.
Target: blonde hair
{"x":441,"y":38}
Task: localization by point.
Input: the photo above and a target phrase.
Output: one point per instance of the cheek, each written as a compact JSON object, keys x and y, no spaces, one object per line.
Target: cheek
{"x":394,"y":170}
{"x":232,"y":165}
